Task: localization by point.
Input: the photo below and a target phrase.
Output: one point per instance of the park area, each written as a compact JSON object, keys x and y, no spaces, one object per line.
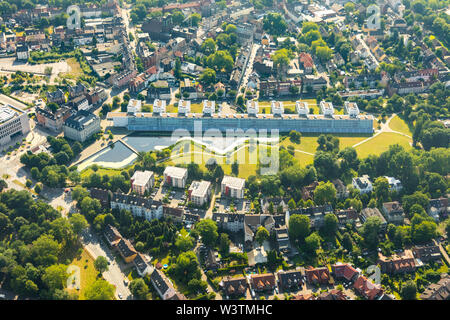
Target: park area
{"x":87,"y":273}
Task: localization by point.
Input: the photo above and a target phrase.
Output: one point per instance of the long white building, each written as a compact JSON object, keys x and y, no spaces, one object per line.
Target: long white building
{"x":13,"y":121}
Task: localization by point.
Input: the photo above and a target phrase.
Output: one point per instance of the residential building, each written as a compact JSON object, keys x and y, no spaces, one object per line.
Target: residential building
{"x":77,"y":90}
{"x":438,"y":208}
{"x":301,"y":108}
{"x":80,"y":103}
{"x":138,"y":206}
{"x":257,"y":256}
{"x":291,"y":280}
{"x":393,"y":212}
{"x":344,"y":271}
{"x":159,"y":106}
{"x":326,"y":108}
{"x":367,"y":289}
{"x":427,"y":253}
{"x":112,"y":236}
{"x":81,"y":126}
{"x":233,"y":222}
{"x":341,"y":189}
{"x":23,"y":52}
{"x":174,"y":214}
{"x":175,"y":176}
{"x":263,"y":282}
{"x":370,"y":212}
{"x":318,"y":275}
{"x":394,"y":184}
{"x":363,"y":184}
{"x":142,"y":181}
{"x":439,"y":290}
{"x":102,"y":195}
{"x":277,"y":108}
{"x":52,"y":120}
{"x":142,"y":266}
{"x":209,"y":107}
{"x":162,"y":285}
{"x":351,"y":108}
{"x":134,"y":106}
{"x":397,"y":263}
{"x":57,"y":97}
{"x":316,"y":214}
{"x":199,"y":192}
{"x":253,"y":221}
{"x":282,"y":239}
{"x":252,"y":107}
{"x":234,"y":287}
{"x":184,"y":107}
{"x":346,"y":216}
{"x":13,"y":122}
{"x":126,"y":250}
{"x":233,"y":187}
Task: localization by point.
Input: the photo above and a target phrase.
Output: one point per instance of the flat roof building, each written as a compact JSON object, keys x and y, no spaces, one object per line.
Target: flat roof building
{"x":159,"y":106}
{"x":233,"y":187}
{"x":199,"y":192}
{"x":209,"y":107}
{"x":184,"y":107}
{"x":13,"y":121}
{"x":175,"y":176}
{"x":134,"y":106}
{"x":301,"y":108}
{"x":351,"y":108}
{"x":252,"y":107}
{"x":277,"y":108}
{"x":142,"y":181}
{"x":326,"y":108}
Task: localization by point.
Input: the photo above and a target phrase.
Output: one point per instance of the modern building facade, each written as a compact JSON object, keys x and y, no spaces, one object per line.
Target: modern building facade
{"x":13,"y":121}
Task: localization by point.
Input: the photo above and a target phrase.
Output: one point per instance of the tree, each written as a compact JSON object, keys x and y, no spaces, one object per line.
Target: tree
{"x":274,"y":24}
{"x":100,"y":290}
{"x":208,"y":46}
{"x":312,"y":242}
{"x":370,"y":231}
{"x":447,"y":227}
{"x":139,"y":289}
{"x":235,"y":168}
{"x":45,"y":250}
{"x":55,"y":277}
{"x":281,"y":58}
{"x":195,"y":18}
{"x":208,"y":77}
{"x":325,"y":192}
{"x":3,"y":185}
{"x":220,"y":61}
{"x":261,"y":235}
{"x":330,"y":225}
{"x":186,"y":267}
{"x":224,"y":244}
{"x":101,"y":264}
{"x":207,"y":229}
{"x":409,"y":290}
{"x":381,"y":189}
{"x":197,"y":286}
{"x":299,"y":226}
{"x":347,"y":242}
{"x":184,"y":242}
{"x":78,"y":222}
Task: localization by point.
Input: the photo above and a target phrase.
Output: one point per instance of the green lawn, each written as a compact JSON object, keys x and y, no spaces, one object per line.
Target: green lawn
{"x":399,"y":125}
{"x":87,"y":270}
{"x":101,"y":171}
{"x":381,"y":143}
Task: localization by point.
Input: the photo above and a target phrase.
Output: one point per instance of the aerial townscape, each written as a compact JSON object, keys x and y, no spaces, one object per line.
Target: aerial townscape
{"x":224,"y":150}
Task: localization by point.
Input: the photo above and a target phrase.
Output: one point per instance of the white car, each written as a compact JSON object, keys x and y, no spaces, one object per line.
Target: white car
{"x":120,"y":296}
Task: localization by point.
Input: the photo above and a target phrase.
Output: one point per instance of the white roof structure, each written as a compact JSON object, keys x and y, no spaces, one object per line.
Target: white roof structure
{"x":252,"y":107}
{"x":301,"y":108}
{"x":351,"y":108}
{"x":209,"y":107}
{"x":6,"y":114}
{"x":277,"y":108}
{"x":175,"y":172}
{"x":141,"y":178}
{"x":184,"y":106}
{"x":199,"y":188}
{"x":134,"y":106}
{"x":233,"y":182}
{"x":159,"y":106}
{"x":326,"y":108}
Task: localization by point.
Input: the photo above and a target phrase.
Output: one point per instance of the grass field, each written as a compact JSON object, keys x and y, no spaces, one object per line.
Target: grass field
{"x":88,"y":273}
{"x":399,"y":125}
{"x":101,"y":171}
{"x":75,"y":70}
{"x":381,"y":144}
